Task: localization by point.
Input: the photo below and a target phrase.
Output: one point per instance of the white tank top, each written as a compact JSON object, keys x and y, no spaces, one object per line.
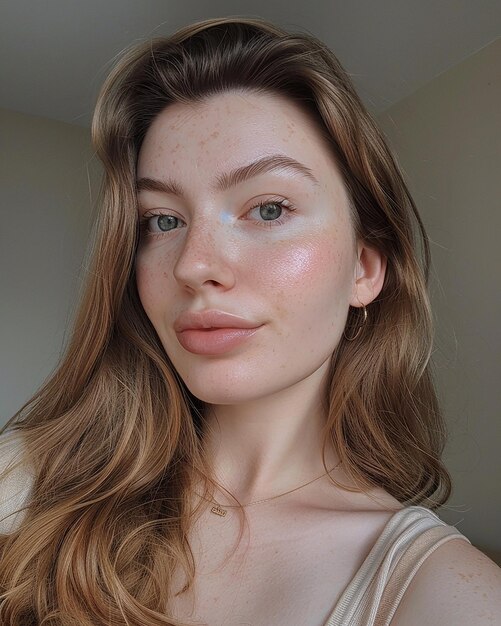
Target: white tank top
{"x":373,"y":595}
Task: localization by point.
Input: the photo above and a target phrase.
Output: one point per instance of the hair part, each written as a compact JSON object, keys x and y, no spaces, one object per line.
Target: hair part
{"x":115,"y":437}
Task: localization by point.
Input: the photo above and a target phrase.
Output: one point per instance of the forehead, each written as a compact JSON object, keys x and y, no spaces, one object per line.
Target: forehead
{"x":230,"y":129}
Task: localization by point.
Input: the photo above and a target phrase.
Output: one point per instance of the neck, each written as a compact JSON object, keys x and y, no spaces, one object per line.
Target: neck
{"x":269,"y":445}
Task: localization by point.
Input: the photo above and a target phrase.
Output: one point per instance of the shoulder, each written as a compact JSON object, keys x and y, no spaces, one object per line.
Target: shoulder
{"x":16,"y":481}
{"x":456,"y":585}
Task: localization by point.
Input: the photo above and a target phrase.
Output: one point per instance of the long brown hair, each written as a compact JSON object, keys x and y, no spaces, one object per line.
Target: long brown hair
{"x":114,"y":436}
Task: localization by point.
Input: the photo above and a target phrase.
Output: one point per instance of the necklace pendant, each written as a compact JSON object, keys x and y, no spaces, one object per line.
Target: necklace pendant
{"x":218,"y":510}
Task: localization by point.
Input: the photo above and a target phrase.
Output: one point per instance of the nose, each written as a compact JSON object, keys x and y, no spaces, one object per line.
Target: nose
{"x":202,"y":259}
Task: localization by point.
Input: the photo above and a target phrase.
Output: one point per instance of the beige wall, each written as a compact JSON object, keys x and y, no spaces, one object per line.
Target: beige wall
{"x":447,"y":139}
{"x":45,"y":219}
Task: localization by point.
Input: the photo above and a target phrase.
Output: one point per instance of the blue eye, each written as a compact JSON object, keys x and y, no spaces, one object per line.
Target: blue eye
{"x":166,"y":222}
{"x":271,"y":213}
{"x":270,"y":210}
{"x":158,"y":223}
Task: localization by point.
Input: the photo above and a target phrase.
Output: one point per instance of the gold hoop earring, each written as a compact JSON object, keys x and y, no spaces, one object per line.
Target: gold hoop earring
{"x":359,"y":330}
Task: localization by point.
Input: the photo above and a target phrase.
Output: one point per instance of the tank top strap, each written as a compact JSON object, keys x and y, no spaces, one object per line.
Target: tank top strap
{"x":407,"y":567}
{"x":372,"y":596}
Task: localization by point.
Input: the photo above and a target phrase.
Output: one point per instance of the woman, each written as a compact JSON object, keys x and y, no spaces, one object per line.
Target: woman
{"x":255,"y":332}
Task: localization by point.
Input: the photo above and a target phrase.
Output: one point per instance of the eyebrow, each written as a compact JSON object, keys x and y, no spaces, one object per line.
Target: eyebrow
{"x":230,"y":179}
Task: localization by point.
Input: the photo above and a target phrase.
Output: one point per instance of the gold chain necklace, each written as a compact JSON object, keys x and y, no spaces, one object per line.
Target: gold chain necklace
{"x":219,"y":510}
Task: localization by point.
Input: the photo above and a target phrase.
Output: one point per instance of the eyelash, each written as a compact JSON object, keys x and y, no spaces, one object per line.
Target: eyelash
{"x":282,"y":203}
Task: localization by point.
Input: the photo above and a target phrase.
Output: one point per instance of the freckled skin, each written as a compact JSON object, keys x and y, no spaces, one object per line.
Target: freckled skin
{"x":296,"y":278}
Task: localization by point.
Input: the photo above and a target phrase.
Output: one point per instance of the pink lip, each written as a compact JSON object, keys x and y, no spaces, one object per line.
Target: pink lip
{"x":211,"y":318}
{"x":213,"y":341}
{"x":212,"y":332}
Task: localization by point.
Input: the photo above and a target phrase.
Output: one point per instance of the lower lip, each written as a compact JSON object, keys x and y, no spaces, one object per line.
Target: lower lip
{"x":214,"y":341}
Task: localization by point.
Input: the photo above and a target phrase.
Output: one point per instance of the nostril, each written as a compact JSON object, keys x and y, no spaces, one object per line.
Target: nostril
{"x":198,"y":272}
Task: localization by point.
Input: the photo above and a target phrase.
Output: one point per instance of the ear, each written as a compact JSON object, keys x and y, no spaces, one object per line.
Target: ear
{"x":370,"y":270}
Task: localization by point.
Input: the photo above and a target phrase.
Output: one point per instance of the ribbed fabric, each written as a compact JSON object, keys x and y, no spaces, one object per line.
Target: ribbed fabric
{"x":15,"y":489}
{"x":373,"y":595}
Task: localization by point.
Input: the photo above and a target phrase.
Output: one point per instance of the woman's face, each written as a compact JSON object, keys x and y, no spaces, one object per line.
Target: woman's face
{"x":287,"y":267}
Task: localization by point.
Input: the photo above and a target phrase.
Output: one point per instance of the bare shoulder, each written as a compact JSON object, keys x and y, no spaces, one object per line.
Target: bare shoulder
{"x":16,"y":480}
{"x":457,"y":585}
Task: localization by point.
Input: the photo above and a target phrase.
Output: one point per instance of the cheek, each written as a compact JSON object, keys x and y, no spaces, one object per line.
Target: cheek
{"x":151,"y":284}
{"x":307,"y":285}
{"x":300,"y":268}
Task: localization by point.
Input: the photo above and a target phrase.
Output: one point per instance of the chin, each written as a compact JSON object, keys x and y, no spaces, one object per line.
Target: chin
{"x":220,"y":396}
{"x":237,"y":385}
{"x":226,"y":391}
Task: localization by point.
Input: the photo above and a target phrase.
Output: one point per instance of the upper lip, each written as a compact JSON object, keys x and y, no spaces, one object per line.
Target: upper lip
{"x":211,"y":319}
